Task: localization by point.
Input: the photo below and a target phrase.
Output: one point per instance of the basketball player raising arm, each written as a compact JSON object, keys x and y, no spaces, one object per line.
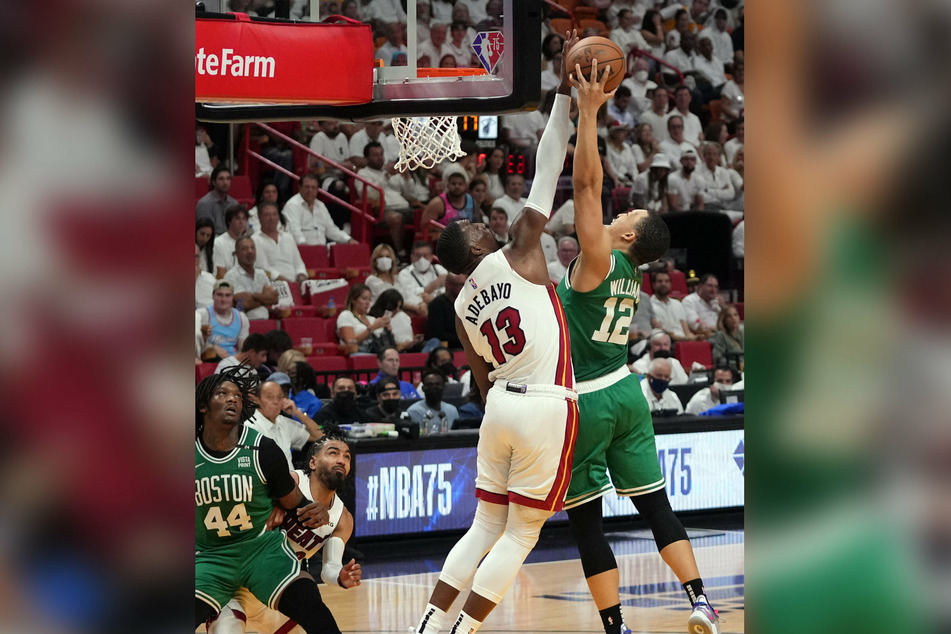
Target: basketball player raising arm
{"x":513,"y":329}
{"x":600,"y":293}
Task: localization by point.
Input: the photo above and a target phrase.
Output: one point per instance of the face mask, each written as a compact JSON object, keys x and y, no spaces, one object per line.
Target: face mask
{"x":662,"y":354}
{"x":448,"y":368}
{"x":658,"y":385}
{"x":344,"y":401}
{"x":640,"y":76}
{"x":384,"y":263}
{"x":723,"y":386}
{"x":421,"y":265}
{"x":390,"y":406}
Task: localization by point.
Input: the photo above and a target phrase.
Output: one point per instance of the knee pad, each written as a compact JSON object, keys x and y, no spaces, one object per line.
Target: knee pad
{"x":655,"y":508}
{"x":588,"y":532}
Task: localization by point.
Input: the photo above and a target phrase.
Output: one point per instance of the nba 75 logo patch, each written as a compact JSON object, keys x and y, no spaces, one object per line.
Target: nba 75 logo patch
{"x":488,"y":47}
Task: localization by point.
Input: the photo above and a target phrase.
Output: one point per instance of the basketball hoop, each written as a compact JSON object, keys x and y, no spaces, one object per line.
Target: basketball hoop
{"x":426,"y":141}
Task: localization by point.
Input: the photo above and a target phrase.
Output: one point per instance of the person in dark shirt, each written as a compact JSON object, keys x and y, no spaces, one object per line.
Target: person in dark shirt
{"x":387,"y":408}
{"x":441,"y":324}
{"x":343,"y":410}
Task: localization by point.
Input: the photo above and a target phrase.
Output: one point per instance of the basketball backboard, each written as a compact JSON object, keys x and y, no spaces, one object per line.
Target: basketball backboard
{"x":503,"y":73}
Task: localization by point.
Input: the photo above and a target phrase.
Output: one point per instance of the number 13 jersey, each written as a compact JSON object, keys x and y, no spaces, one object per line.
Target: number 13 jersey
{"x":599,"y":319}
{"x":517,"y":326}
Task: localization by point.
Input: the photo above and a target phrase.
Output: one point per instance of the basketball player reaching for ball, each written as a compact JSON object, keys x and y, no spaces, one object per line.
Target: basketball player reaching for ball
{"x":328,"y":463}
{"x":238,"y":474}
{"x":600,"y":293}
{"x":512,"y":327}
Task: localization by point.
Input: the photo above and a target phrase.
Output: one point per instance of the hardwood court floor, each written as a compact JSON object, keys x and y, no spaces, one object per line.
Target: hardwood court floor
{"x":549,"y":594}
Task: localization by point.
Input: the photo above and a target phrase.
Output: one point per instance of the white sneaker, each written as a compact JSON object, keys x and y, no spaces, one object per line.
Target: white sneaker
{"x":703,"y":620}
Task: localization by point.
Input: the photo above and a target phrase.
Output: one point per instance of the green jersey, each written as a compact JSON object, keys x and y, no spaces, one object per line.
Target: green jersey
{"x":598,"y":320}
{"x":232,"y":495}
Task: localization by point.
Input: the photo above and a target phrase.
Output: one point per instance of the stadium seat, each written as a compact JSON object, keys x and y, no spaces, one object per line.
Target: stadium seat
{"x":590,"y":24}
{"x":324,"y":349}
{"x":350,"y":259}
{"x":298,"y":327}
{"x":689,"y":351}
{"x":585,"y":13}
{"x":678,"y":285}
{"x":241,"y":189}
{"x":317,"y":261}
{"x":739,"y":309}
{"x":339,"y":294}
{"x":328,"y":364}
{"x":646,"y":284}
{"x":561,"y":25}
{"x":204,"y":370}
{"x":419,"y":323}
{"x":411,"y":366}
{"x":459,"y":358}
{"x":262,"y":325}
{"x":202,"y":186}
{"x":363,"y":362}
{"x":620,"y":197}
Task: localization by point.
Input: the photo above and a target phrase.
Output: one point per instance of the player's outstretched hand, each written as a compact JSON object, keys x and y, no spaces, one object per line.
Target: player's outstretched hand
{"x":591,"y":89}
{"x":350,"y":574}
{"x":314,"y":515}
{"x":571,"y":38}
{"x":276,"y":518}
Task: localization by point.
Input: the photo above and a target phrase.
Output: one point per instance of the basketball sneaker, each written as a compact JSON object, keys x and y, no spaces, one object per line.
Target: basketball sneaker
{"x":703,"y":620}
{"x":625,"y":629}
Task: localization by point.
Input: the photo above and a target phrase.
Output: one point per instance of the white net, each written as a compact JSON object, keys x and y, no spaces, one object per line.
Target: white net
{"x":426,"y":141}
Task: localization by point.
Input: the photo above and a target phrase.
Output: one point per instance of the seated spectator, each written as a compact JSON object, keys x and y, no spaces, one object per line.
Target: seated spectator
{"x":710,"y":396}
{"x":278,"y":342}
{"x":732,"y":97}
{"x":675,"y":143}
{"x":278,"y":247}
{"x":383,"y":269}
{"x":236,"y":218}
{"x":722,"y":43}
{"x":669,"y":313}
{"x":492,"y":170}
{"x":413,"y":185}
{"x":685,"y":185}
{"x":204,"y":158}
{"x":454,"y":204}
{"x":288,"y":360}
{"x":551,"y":76}
{"x":717,"y":132}
{"x":253,"y":354}
{"x":460,"y":44}
{"x":627,"y":35}
{"x":397,"y":211}
{"x":737,"y":174}
{"x":432,"y":406}
{"x":499,"y":224}
{"x":474,"y":408}
{"x":656,"y":115}
{"x":395,"y":42}
{"x":224,"y":327}
{"x":710,"y":75}
{"x":205,"y":241}
{"x":620,"y":154}
{"x":650,"y":189}
{"x":287,"y":433}
{"x":441,"y":323}
{"x":342,"y":410}
{"x":645,"y":147}
{"x":479,"y":191}
{"x":640,"y":85}
{"x":387,"y":407}
{"x":390,"y":303}
{"x":304,"y":388}
{"x":374,"y":131}
{"x":308,"y":219}
{"x":358,"y":332}
{"x":693,"y":129}
{"x":658,"y":347}
{"x":717,"y":189}
{"x":389,"y":361}
{"x":421,"y":282}
{"x":213,"y":204}
{"x":562,"y":221}
{"x":738,"y":242}
{"x":567,"y":251}
{"x":435,"y":47}
{"x":731,"y":146}
{"x":204,"y":282}
{"x":521,"y":131}
{"x":706,"y":304}
{"x":267,"y":193}
{"x":493,"y":20}
{"x":618,"y":108}
{"x":514,"y":199}
{"x":655,"y":384}
{"x":727,"y":341}
{"x":251,"y":284}
{"x":440,"y":359}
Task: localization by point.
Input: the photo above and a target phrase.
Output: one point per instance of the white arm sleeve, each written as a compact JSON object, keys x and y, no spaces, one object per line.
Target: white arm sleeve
{"x":551,"y":152}
{"x":333,"y":554}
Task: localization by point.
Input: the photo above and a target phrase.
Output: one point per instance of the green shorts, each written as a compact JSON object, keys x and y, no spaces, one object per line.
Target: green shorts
{"x":615,"y":434}
{"x":264,"y":565}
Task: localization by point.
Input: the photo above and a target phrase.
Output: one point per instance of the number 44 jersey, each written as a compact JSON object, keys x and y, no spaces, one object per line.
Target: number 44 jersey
{"x":517,"y":326}
{"x":601,"y":318}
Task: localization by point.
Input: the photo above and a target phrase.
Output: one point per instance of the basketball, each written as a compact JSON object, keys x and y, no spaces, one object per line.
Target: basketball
{"x":605,"y":51}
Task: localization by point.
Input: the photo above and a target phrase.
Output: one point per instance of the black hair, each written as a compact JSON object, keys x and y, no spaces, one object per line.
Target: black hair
{"x":368,"y":146}
{"x":707,"y":276}
{"x":305,"y":377}
{"x":725,"y":368}
{"x":343,"y":376}
{"x":382,"y":383}
{"x":389,"y":300}
{"x":254,"y":341}
{"x":209,"y":248}
{"x":382,"y":353}
{"x":546,"y":45}
{"x":431,"y":359}
{"x":681,"y":87}
{"x":622,"y":91}
{"x":434,"y":372}
{"x":233,"y":211}
{"x":278,"y":341}
{"x":218,"y":169}
{"x":422,"y":243}
{"x":679,"y":13}
{"x":653,"y":239}
{"x":453,"y":249}
{"x":312,"y":176}
{"x":332,"y":433}
{"x":242,"y":376}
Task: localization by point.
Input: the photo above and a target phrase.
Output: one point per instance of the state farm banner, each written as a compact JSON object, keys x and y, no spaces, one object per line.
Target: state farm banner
{"x":240,"y":60}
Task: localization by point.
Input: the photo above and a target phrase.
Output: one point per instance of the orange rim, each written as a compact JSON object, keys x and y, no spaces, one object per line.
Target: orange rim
{"x":450,"y":72}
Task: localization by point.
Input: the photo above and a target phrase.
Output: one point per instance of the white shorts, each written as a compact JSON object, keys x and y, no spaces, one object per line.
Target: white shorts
{"x":526,"y":443}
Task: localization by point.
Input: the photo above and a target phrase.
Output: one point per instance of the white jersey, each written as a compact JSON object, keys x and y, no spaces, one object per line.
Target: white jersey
{"x":307,"y":541}
{"x":517,"y":326}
